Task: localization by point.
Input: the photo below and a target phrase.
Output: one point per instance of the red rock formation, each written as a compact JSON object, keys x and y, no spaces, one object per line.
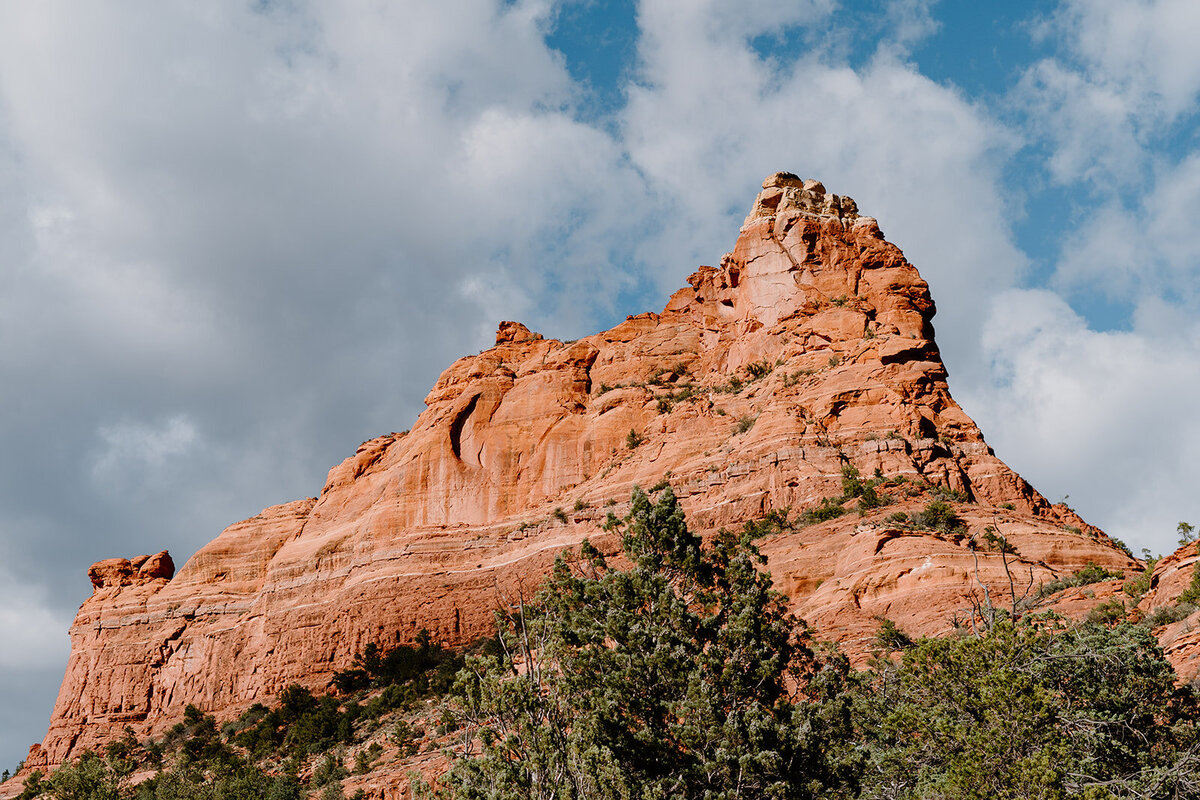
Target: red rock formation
{"x":808,"y":350}
{"x":1172,"y":576}
{"x":117,"y":572}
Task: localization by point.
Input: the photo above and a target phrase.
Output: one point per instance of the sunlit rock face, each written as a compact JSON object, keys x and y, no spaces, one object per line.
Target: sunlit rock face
{"x":808,"y":350}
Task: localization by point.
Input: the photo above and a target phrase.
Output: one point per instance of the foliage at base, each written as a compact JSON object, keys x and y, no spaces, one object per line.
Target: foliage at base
{"x":681,"y":674}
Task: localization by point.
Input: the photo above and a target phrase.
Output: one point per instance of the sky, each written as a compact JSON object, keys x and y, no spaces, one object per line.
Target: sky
{"x":238,"y":238}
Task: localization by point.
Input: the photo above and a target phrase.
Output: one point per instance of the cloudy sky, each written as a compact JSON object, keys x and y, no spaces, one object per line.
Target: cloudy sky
{"x":237,"y":239}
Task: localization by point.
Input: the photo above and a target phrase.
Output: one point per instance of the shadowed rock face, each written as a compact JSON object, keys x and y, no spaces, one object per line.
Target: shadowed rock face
{"x":525,"y":448}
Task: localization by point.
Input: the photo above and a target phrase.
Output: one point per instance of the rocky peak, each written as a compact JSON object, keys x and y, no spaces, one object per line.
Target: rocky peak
{"x":784,"y":193}
{"x":805,"y":357}
{"x":804,"y":252}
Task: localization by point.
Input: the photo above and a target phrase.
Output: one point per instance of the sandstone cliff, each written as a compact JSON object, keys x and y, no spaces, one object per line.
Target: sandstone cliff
{"x":808,"y":350}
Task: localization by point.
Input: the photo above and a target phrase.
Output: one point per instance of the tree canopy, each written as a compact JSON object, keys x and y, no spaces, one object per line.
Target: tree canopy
{"x":673,"y":677}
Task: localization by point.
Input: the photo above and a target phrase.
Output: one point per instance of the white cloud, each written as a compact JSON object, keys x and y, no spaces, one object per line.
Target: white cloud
{"x":33,"y":632}
{"x":671,"y":28}
{"x":1145,"y":49}
{"x":143,"y":449}
{"x":558,"y":204}
{"x":1151,"y":249}
{"x":902,"y":25}
{"x":1125,"y":74}
{"x":232,"y":163}
{"x":1106,"y":417}
{"x":1091,"y":126}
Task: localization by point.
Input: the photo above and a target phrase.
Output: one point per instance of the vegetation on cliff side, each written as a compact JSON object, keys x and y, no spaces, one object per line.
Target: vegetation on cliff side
{"x":681,"y":674}
{"x":298,"y":747}
{"x":684,"y":676}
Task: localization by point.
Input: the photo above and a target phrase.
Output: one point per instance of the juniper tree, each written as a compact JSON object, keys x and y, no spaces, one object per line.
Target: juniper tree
{"x":680,"y":676}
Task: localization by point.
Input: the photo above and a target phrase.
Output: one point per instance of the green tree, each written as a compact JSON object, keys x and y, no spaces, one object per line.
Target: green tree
{"x":1083,"y":712}
{"x":673,"y":678}
{"x":88,"y":778}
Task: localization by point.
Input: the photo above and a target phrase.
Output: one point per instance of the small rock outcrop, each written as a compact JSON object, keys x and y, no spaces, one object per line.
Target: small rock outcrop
{"x":113,"y":573}
{"x":807,"y":355}
{"x":514,"y":332}
{"x":785,"y":193}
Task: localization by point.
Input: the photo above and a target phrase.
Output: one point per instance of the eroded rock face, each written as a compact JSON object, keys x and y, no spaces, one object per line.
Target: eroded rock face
{"x":809,"y":349}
